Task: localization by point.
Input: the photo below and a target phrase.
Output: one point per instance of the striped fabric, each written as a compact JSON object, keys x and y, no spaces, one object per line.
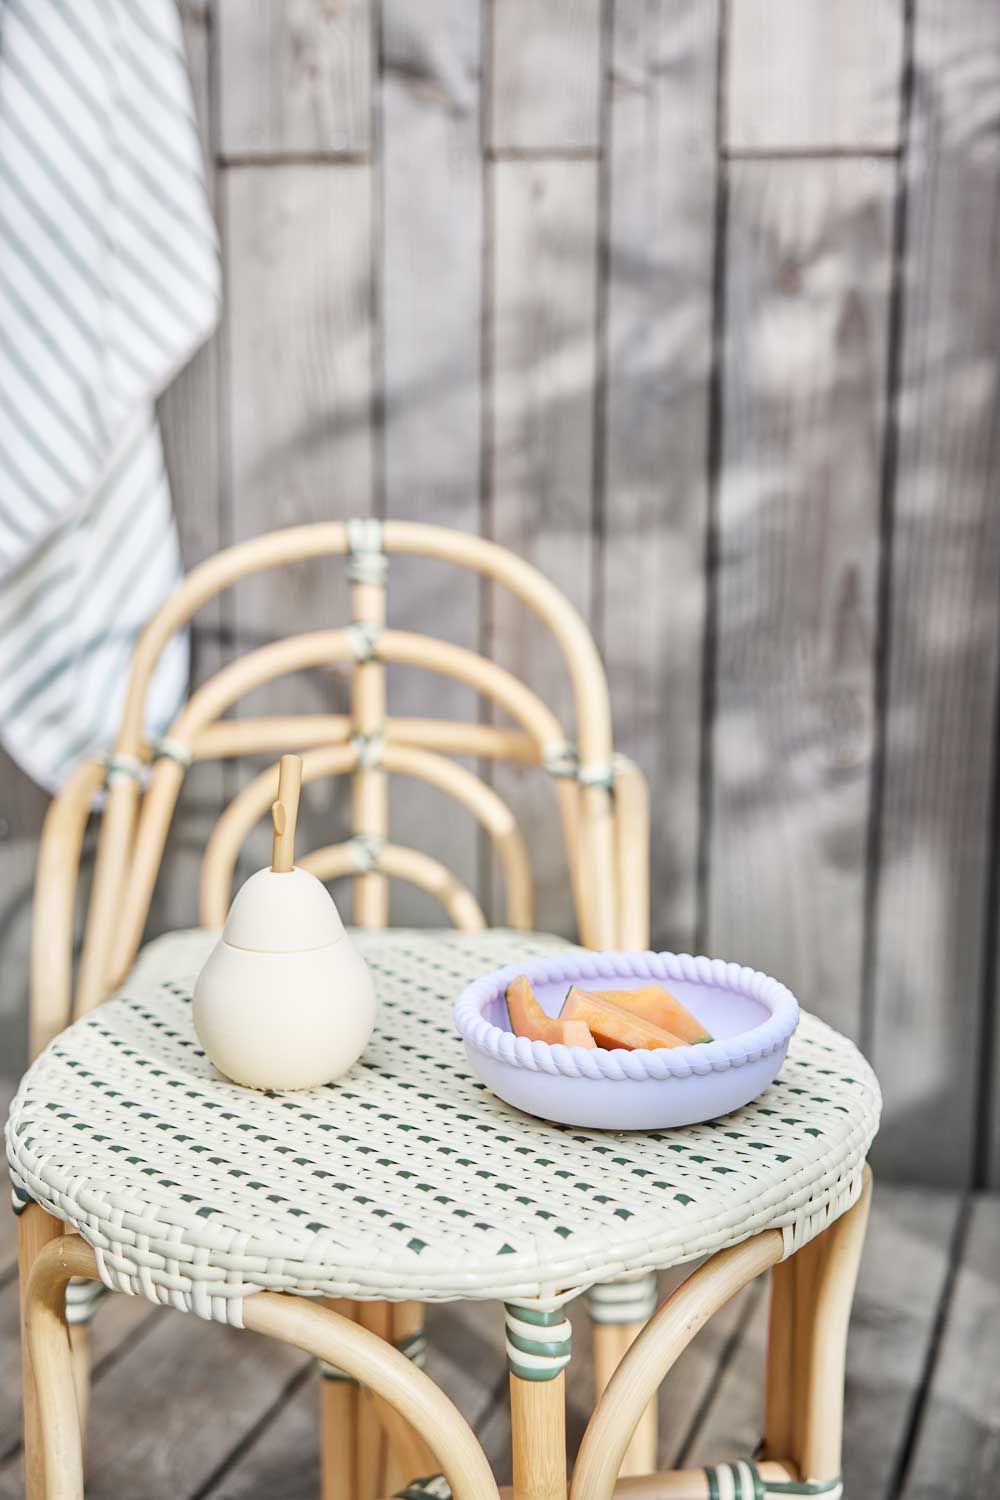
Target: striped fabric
{"x":109,"y":280}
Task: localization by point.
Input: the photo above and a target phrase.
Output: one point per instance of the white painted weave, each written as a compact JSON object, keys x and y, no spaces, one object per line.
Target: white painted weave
{"x":406,"y":1179}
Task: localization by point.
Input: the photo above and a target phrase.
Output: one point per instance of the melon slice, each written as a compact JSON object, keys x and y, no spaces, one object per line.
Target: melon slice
{"x":656,"y":1004}
{"x":611,"y":1026}
{"x":529,"y":1019}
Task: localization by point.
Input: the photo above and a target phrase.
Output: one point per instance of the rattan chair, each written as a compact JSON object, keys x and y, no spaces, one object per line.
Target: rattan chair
{"x":604,"y":814}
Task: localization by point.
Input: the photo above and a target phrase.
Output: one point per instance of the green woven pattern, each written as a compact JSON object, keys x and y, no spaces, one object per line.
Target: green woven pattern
{"x":407,"y":1178}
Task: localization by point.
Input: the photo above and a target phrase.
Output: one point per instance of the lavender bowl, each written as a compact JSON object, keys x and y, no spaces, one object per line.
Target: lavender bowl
{"x":751,"y":1018}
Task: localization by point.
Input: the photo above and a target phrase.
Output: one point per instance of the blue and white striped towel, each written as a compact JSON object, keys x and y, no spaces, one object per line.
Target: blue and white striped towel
{"x":109,"y":280}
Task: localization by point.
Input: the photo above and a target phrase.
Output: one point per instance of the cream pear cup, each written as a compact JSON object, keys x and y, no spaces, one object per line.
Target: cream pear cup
{"x":285,"y":1001}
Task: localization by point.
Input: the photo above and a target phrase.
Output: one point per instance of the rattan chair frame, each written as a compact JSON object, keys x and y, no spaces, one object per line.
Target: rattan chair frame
{"x":604,"y":810}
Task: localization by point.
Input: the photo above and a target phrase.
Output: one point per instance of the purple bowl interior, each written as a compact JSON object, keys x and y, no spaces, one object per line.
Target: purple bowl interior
{"x":722,"y":1012}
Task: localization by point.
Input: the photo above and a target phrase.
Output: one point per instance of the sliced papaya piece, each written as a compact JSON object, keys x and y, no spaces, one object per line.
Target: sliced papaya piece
{"x":611,"y":1026}
{"x":527,"y":1018}
{"x":656,"y":1004}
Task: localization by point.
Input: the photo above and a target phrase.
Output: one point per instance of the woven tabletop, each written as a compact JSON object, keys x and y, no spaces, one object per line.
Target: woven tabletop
{"x":406,"y":1179}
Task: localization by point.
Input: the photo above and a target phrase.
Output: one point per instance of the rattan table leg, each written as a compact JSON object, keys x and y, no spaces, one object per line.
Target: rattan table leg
{"x":618,"y":1313}
{"x":35,"y":1229}
{"x":371,"y":1441}
{"x":538,"y":1437}
{"x":338,"y":1417}
{"x":79,"y":1348}
{"x":538,"y":1351}
{"x":53,"y":1439}
{"x":409,"y":1338}
{"x":810,"y":1310}
{"x":664,"y":1338}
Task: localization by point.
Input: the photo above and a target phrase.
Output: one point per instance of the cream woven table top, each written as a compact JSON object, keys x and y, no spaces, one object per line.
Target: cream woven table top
{"x":406,"y":1179}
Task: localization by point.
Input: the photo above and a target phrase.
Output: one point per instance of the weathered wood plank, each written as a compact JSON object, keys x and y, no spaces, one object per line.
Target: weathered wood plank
{"x":944,"y":606}
{"x":899,"y":1289}
{"x":661,"y":247}
{"x":804,"y":375}
{"x":807,"y":76}
{"x":545,"y":75}
{"x":294,"y":78}
{"x":189,"y":416}
{"x":432,"y":284}
{"x":179,"y":1403}
{"x":8,"y":1223}
{"x":958,"y":1445}
{"x":22,"y":809}
{"x":541,"y":480}
{"x":299,"y":379}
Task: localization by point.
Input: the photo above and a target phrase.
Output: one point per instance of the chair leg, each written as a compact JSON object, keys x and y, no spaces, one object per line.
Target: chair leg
{"x":83,"y":1298}
{"x":35,"y":1229}
{"x":53,"y":1440}
{"x":618,"y":1313}
{"x":79,"y":1348}
{"x":811,"y":1297}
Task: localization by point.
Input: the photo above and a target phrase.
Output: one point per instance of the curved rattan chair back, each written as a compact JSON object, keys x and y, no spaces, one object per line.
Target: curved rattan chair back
{"x":601,"y":797}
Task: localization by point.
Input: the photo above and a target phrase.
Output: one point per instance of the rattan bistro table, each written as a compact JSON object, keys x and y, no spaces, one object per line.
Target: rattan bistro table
{"x":408,"y":1180}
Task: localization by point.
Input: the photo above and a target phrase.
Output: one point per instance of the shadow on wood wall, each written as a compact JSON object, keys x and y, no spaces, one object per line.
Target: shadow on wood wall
{"x":693,"y":304}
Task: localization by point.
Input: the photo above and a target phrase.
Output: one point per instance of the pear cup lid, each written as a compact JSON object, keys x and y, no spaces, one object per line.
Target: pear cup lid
{"x":282,"y":912}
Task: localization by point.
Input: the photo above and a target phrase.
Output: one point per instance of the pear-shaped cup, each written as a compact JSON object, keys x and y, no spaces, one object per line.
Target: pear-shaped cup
{"x":285,"y":1001}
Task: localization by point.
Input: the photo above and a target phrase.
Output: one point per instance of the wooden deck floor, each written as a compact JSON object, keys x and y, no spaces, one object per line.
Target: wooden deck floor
{"x":184,"y":1410}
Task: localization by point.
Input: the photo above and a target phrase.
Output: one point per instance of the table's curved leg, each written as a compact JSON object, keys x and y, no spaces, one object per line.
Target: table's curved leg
{"x":411,"y":1399}
{"x":442,"y":1432}
{"x":619,"y":1310}
{"x":663,"y":1339}
{"x":811,"y":1297}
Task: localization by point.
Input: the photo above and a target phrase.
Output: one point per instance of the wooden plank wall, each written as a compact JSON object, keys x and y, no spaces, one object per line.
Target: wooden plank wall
{"x":692,"y":303}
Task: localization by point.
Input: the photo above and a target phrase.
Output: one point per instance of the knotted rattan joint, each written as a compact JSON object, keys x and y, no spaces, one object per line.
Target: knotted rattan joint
{"x":622,"y":1302}
{"x":742,"y":1480}
{"x":166,"y":748}
{"x":366,"y":560}
{"x":413,"y":1345}
{"x":538,"y":1341}
{"x":120,"y":767}
{"x":363,"y":636}
{"x":435,"y":1487}
{"x":563,"y":760}
{"x":370,"y":748}
{"x":82,"y":1301}
{"x":366,"y":849}
{"x":618,"y":1312}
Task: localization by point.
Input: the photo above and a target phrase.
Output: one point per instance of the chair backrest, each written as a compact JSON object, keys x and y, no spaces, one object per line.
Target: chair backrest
{"x":601,"y":797}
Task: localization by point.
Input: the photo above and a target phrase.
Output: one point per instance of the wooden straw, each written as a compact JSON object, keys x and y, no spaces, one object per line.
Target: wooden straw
{"x":285,"y":812}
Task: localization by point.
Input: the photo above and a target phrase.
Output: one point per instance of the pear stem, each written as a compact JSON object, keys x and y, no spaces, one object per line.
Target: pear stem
{"x":284,"y":813}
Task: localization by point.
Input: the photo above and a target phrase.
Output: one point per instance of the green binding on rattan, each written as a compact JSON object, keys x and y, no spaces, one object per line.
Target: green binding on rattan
{"x":538,"y":1341}
{"x":742,"y":1481}
{"x":434,"y":1488}
{"x":414,"y":1346}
